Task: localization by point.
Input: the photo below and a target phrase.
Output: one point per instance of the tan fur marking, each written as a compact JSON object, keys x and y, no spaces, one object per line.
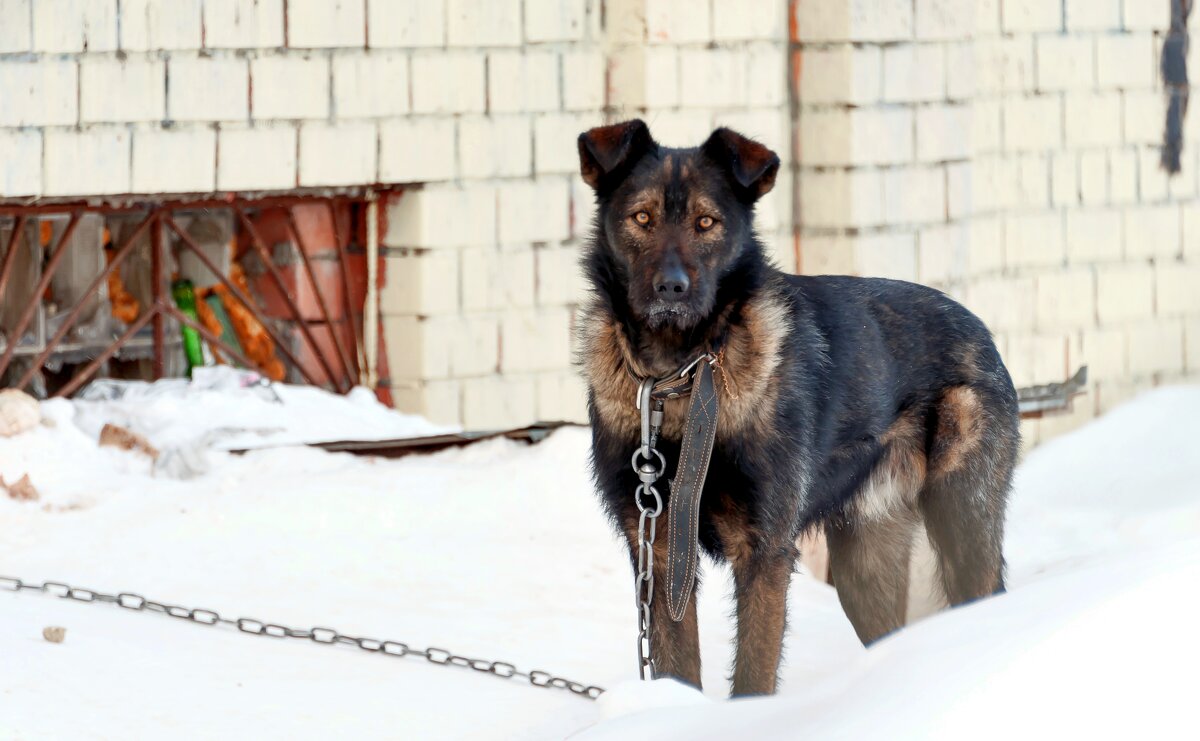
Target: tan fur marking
{"x":960,"y":428}
{"x":897,"y":479}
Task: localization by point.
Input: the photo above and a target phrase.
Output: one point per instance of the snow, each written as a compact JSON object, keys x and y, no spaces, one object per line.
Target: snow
{"x":499,"y":550}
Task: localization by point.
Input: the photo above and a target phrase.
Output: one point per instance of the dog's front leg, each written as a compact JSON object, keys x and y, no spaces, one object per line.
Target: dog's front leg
{"x":675,"y":646}
{"x":761,"y":577}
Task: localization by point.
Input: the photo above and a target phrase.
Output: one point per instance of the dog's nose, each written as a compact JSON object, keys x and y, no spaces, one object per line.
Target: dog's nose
{"x":671,"y":283}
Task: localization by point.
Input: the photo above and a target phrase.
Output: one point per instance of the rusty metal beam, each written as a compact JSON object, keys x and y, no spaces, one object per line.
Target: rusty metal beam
{"x":343,"y":260}
{"x":11,"y":254}
{"x":158,"y":291}
{"x":82,"y":376}
{"x":47,"y":275}
{"x":239,"y":295}
{"x":324,"y":306}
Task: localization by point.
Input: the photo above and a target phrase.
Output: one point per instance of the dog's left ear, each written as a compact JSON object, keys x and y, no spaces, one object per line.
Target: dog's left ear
{"x":608,"y":150}
{"x":752,"y":167}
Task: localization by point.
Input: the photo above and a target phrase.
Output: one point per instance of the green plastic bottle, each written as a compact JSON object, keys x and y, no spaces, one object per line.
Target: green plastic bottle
{"x":185,"y":298}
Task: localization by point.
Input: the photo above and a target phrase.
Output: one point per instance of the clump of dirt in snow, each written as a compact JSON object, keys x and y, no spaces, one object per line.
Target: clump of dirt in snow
{"x":54,"y":633}
{"x":22,"y":491}
{"x":18,"y":412}
{"x":115,"y":436}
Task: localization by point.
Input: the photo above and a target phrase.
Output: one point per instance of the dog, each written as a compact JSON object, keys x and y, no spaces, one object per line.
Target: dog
{"x":870,"y":408}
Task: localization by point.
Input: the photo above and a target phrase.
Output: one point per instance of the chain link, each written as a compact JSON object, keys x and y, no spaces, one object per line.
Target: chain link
{"x":203,"y":616}
{"x":650,"y":506}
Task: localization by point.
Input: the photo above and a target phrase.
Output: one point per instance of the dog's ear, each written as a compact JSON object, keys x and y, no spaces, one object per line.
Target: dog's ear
{"x":751,"y":166}
{"x":606,"y":150}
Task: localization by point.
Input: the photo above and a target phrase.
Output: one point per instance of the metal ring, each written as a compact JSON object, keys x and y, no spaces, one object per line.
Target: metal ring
{"x":658,"y":502}
{"x":438,"y":655}
{"x":204,"y":617}
{"x":644,"y":451}
{"x":11,"y":584}
{"x":324,"y":635}
{"x":131,"y":601}
{"x":394,"y":648}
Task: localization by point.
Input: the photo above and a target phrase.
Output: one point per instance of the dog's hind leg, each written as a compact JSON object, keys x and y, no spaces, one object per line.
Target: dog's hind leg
{"x":869,"y":561}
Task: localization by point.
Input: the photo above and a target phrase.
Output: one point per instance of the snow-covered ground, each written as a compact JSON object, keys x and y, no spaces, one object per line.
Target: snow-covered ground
{"x":499,"y":551}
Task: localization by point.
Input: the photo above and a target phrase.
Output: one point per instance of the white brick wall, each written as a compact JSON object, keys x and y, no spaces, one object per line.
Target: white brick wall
{"x":191,"y":152}
{"x":257,"y":158}
{"x":289,"y":87}
{"x":116,"y":90}
{"x":243,"y":24}
{"x":208,"y":88}
{"x":326,"y":23}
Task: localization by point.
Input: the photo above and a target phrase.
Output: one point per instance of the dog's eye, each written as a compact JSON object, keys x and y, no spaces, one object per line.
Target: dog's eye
{"x":641,"y":217}
{"x":704,"y":223}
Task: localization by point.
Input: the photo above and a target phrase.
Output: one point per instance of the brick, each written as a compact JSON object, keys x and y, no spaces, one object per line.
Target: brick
{"x":114,"y":90}
{"x":561,"y":396}
{"x":326,"y":345}
{"x":1064,"y":179}
{"x":682,"y":128}
{"x":191,"y":152}
{"x":148,"y":25}
{"x":38,"y":93}
{"x":1066,"y":299}
{"x":416,"y":150}
{"x":534,"y":212}
{"x":208,"y":88}
{"x":839,"y":198}
{"x":842,"y":74}
{"x":421,"y":283}
{"x":498,"y":403}
{"x":1036,"y":358}
{"x":960,"y":71}
{"x":583,"y":72}
{"x":92,"y":162}
{"x":1153,"y":182}
{"x":1178,"y":288}
{"x":1092,"y":119}
{"x":559,"y":276}
{"x":1003,"y":303}
{"x":986,"y":126}
{"x":942,"y":254}
{"x":1032,"y":123}
{"x":243,"y":24}
{"x":1066,"y":62}
{"x":987,"y":17}
{"x":1192,"y":342}
{"x":515,"y":284}
{"x":1123,"y":178}
{"x":554,"y":141}
{"x":649,"y":79}
{"x":1156,"y":347}
{"x":1146,"y":16}
{"x":1093,"y":15}
{"x":326,"y":23}
{"x":731,"y":22}
{"x":987,"y":245}
{"x":1153,"y":231}
{"x":1031,"y":16}
{"x":959,"y":198}
{"x":433,"y":217}
{"x":327,"y":273}
{"x":886,"y":256}
{"x":861,"y":21}
{"x":416,"y":349}
{"x":20,"y":163}
{"x":1105,"y":352}
{"x":439,"y":401}
{"x":535,"y":340}
{"x":341,"y":154}
{"x":66,"y":26}
{"x":474,"y":347}
{"x":522,"y":82}
{"x":497,"y":146}
{"x":555,"y":20}
{"x":448,"y":82}
{"x":1093,"y":236}
{"x":494,"y":23}
{"x":1124,"y":292}
{"x":1144,"y":113}
{"x":711,"y":78}
{"x":943,"y":20}
{"x":291,"y":86}
{"x":765,"y":90}
{"x":406,"y":23}
{"x":1126,"y":61}
{"x":914,"y":195}
{"x":1034,"y":239}
{"x":370,"y":85}
{"x":259,"y":158}
{"x":1093,"y":177}
{"x":914,"y":73}
{"x":1191,"y":231}
{"x":15,"y":32}
{"x":862,"y":136}
{"x":677,"y":22}
{"x":1032,"y":181}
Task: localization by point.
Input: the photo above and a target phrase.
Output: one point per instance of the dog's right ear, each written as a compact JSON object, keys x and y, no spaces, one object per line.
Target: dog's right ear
{"x":608,"y":149}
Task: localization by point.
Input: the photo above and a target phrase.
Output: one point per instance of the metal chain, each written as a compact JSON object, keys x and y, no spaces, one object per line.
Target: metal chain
{"x":441,"y":656}
{"x":651,"y":468}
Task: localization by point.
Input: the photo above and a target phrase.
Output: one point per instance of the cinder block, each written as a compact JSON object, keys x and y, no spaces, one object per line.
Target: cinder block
{"x":522,"y":81}
{"x":259,"y":158}
{"x":448,"y":82}
{"x":944,"y":20}
{"x":289,"y":87}
{"x":1145,"y":114}
{"x":1066,"y":62}
{"x":943,"y":133}
{"x":321,"y":23}
{"x":886,"y":255}
{"x":421,"y":282}
{"x":711,"y":77}
{"x":1106,"y":353}
{"x":1153,"y":231}
{"x":942,"y":254}
{"x":1093,"y":15}
{"x":416,"y":150}
{"x":535,"y":340}
{"x":91,"y":162}
{"x":677,"y":22}
{"x":914,"y":73}
{"x":1036,"y":358}
{"x":554,"y":141}
{"x":862,"y":21}
{"x":960,"y":199}
{"x":190,"y":152}
{"x":649,"y":79}
{"x":1064,"y":179}
{"x":16,"y":32}
{"x":243,"y":24}
{"x":1156,"y":347}
{"x":406,"y":23}
{"x":341,"y":154}
{"x":1092,"y":119}
{"x":1003,"y":303}
{"x":416,"y":347}
{"x":20,"y":163}
{"x":370,"y":84}
{"x":148,"y":25}
{"x":121,"y":90}
{"x":534,"y":211}
{"x":583,"y":73}
{"x":841,"y":199}
{"x":1031,"y":16}
{"x":515,"y":284}
{"x":1122,"y":176}
{"x":474,"y":346}
{"x":498,"y":402}
{"x":1124,"y":292}
{"x":859,"y":136}
{"x":914,"y":195}
{"x":1144,"y":16}
{"x":1093,"y":177}
{"x":1191,"y":231}
{"x":562,"y":396}
{"x":987,"y":245}
{"x":986,"y":126}
{"x":1153,"y":181}
{"x":840,"y":74}
{"x":555,"y":20}
{"x":960,"y":70}
{"x":732,"y":22}
{"x":1034,"y":239}
{"x":495,"y":146}
{"x":68,"y":26}
{"x":559,"y":276}
{"x":474,"y":24}
{"x":1126,"y":61}
{"x":443,"y":216}
{"x":764,"y":87}
{"x":1178,"y":285}
{"x":38,"y":93}
{"x":438,"y":401}
{"x":481,"y":279}
{"x":1066,"y":299}
{"x":1093,"y":235}
{"x":208,"y":88}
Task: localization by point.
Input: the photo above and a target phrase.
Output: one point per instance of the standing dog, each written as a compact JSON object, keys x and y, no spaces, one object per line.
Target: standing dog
{"x":865,"y":406}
